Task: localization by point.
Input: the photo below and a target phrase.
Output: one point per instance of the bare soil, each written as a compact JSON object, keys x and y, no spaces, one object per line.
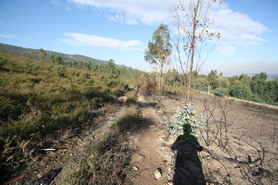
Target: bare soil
{"x":252,"y":133}
{"x":152,"y":150}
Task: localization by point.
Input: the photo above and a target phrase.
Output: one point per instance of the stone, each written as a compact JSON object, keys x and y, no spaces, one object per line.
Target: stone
{"x":135,"y":168}
{"x":158,"y":173}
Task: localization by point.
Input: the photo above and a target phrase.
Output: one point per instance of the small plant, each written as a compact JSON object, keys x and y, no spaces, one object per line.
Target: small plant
{"x":186,"y":125}
{"x":129,"y":121}
{"x":86,"y":76}
{"x":62,"y":72}
{"x":110,"y":158}
{"x":2,"y":63}
{"x":131,"y":97}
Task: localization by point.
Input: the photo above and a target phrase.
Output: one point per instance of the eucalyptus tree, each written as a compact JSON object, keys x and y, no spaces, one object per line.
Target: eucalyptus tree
{"x":159,"y":50}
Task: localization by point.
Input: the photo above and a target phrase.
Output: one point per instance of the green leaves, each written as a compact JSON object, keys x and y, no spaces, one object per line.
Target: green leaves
{"x":187,"y":124}
{"x":159,"y":49}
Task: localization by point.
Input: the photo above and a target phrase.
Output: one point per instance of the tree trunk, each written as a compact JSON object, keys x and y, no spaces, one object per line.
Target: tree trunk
{"x":193,"y":53}
{"x":189,"y":77}
{"x":160,"y":78}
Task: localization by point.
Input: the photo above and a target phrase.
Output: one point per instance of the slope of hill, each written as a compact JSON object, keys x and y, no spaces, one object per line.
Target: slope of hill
{"x":38,"y":97}
{"x":36,"y":53}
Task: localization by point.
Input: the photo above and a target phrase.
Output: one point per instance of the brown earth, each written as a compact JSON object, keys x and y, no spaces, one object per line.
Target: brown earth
{"x":251,"y":132}
{"x":152,"y":150}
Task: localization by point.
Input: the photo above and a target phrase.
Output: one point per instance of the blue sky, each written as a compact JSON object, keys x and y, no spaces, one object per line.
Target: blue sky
{"x":121,"y":29}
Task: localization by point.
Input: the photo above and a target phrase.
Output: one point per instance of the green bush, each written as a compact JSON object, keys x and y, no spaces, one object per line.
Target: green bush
{"x":186,"y":124}
{"x":2,"y":63}
{"x":129,"y":121}
{"x":222,"y":90}
{"x":62,"y":72}
{"x":202,"y":84}
{"x":131,"y":97}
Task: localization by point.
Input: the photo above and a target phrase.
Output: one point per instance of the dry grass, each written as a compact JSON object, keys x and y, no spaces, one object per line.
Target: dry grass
{"x":38,"y":97}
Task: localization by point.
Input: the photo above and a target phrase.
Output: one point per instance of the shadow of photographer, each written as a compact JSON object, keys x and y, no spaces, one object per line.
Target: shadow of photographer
{"x":188,"y":168}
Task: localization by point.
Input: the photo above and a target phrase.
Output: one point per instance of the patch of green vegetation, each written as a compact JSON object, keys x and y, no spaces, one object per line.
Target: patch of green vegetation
{"x":109,"y":158}
{"x":131,"y":97}
{"x":186,"y":125}
{"x":38,"y":97}
{"x":129,"y":121}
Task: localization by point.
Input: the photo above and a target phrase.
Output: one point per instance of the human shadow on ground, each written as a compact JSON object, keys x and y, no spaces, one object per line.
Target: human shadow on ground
{"x":188,"y":168}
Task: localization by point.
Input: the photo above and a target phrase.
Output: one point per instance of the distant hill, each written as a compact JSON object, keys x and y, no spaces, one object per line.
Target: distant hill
{"x":36,"y":53}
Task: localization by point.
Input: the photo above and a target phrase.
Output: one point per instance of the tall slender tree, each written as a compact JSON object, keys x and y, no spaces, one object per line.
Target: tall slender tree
{"x":159,"y":50}
{"x":192,"y":34}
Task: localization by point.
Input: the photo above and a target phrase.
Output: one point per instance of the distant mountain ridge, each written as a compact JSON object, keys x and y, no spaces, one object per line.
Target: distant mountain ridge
{"x":36,"y":52}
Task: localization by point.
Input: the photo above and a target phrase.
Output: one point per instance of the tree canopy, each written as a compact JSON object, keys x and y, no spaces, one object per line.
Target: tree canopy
{"x":159,"y":50}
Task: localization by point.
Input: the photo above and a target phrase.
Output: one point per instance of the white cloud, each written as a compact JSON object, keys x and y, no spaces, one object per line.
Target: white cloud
{"x":122,"y":19}
{"x":237,"y":29}
{"x":6,"y":36}
{"x":133,"y":12}
{"x":80,"y":39}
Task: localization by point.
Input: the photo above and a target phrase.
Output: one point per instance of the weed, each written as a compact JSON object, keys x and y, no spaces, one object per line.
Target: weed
{"x":129,"y":121}
{"x":109,"y":158}
{"x":131,"y":97}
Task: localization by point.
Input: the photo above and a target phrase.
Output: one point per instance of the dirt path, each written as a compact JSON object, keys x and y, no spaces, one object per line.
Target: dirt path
{"x":153,"y":150}
{"x":89,"y":136}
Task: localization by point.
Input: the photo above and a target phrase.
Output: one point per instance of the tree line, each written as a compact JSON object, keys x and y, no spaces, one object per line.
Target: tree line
{"x":109,"y":68}
{"x":255,"y":88}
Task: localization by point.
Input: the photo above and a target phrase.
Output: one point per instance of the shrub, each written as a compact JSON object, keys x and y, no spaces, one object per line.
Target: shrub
{"x":62,"y":72}
{"x":2,"y":63}
{"x":110,"y":159}
{"x":149,"y":87}
{"x":222,"y":90}
{"x":96,"y":102}
{"x":130,"y":121}
{"x":186,"y":125}
{"x":131,"y":97}
{"x":86,"y":76}
{"x":202,"y":84}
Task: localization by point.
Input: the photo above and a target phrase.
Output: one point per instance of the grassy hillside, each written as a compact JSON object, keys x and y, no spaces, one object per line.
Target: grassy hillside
{"x":37,"y":97}
{"x":35,"y":53}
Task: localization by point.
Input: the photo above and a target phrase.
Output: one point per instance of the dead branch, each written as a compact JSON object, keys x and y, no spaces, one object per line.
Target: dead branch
{"x":229,"y":160}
